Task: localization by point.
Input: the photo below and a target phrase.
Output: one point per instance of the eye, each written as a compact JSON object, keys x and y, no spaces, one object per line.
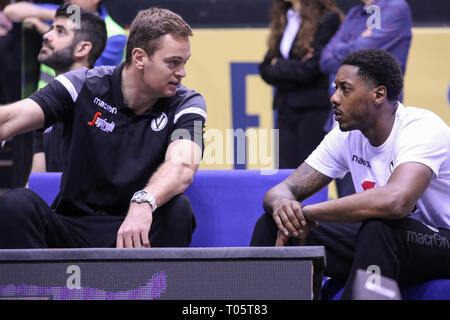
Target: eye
{"x":346,"y":89}
{"x":60,"y":31}
{"x":174,"y":63}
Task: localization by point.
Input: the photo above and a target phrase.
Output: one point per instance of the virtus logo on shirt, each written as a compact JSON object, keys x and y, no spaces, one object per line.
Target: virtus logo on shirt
{"x":101,"y":123}
{"x":159,"y":123}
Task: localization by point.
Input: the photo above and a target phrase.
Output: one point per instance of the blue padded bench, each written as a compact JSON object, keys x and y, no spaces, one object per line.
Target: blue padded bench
{"x":227,"y":203}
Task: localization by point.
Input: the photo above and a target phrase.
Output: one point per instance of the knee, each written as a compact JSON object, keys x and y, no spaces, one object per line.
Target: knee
{"x":14,"y":200}
{"x":16,"y":204}
{"x":373,"y":225}
{"x":264,"y":232}
{"x":266,"y":222}
{"x":177,"y":210}
{"x":376,"y":229}
{"x":180,"y":205}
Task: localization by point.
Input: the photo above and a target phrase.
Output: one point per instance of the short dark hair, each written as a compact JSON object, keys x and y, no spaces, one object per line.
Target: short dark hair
{"x":150,"y":25}
{"x":92,"y":29}
{"x":379,"y":67}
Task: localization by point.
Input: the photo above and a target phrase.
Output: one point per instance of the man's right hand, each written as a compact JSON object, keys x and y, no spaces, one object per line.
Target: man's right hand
{"x":288,"y":217}
{"x":291,"y":222}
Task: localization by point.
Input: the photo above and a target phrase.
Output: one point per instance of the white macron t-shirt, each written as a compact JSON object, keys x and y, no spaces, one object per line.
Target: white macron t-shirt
{"x":418,"y":135}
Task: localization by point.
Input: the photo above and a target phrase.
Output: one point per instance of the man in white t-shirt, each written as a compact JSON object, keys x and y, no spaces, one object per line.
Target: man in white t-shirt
{"x":399,"y":158}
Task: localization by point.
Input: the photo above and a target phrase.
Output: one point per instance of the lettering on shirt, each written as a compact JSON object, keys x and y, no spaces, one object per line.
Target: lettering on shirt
{"x":101,"y":123}
{"x":104,"y":105}
{"x":359,"y":160}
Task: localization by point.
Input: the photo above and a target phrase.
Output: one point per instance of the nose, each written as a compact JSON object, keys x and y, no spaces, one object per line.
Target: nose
{"x":181,"y":72}
{"x":335,"y":99}
{"x":47,"y":36}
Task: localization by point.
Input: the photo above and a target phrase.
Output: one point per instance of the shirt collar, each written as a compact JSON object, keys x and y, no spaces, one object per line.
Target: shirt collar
{"x":291,"y":14}
{"x":120,"y":101}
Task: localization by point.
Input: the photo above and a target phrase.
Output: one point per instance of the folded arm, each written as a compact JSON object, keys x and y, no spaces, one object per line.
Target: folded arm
{"x":22,"y":10}
{"x":284,"y":200}
{"x":395,"y":200}
{"x":301,"y":71}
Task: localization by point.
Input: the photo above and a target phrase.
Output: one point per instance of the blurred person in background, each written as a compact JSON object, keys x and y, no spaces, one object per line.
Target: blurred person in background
{"x":299,"y":30}
{"x":65,"y":49}
{"x":40,"y":15}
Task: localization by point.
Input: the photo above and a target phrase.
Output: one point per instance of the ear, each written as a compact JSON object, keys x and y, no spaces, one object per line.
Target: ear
{"x":138,"y":57}
{"x":82,"y":49}
{"x":379,"y":94}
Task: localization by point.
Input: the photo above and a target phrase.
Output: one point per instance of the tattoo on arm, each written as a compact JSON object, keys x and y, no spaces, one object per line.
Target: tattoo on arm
{"x":306,"y":181}
{"x":301,"y":184}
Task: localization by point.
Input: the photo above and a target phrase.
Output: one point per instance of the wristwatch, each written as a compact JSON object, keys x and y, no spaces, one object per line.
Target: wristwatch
{"x":144,"y":196}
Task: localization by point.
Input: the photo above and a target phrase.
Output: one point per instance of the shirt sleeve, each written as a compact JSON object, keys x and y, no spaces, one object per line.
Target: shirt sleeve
{"x":58,"y":97}
{"x":395,"y":24}
{"x":425,"y":142}
{"x":190,"y":119}
{"x":329,"y":62}
{"x":328,"y":157}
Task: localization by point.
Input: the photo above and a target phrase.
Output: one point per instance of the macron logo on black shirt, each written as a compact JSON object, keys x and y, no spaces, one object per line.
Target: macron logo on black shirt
{"x":104,"y":105}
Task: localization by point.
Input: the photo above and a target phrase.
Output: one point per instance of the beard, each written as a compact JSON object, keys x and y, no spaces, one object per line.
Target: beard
{"x":61,"y":61}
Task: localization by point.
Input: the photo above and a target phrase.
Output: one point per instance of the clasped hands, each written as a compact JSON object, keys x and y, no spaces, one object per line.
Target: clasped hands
{"x":291,"y":222}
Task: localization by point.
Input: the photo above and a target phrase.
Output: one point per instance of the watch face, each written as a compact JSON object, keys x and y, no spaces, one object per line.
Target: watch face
{"x":140,"y":196}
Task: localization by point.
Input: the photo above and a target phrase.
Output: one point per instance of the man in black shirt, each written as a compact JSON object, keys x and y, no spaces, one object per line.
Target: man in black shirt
{"x":65,"y":48}
{"x":132,"y":142}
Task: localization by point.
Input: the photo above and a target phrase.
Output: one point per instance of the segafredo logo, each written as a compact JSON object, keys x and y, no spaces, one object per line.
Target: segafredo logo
{"x":101,"y":123}
{"x":159,"y":123}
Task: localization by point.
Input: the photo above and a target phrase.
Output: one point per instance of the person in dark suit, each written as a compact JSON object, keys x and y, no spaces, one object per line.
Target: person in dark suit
{"x":299,"y":30}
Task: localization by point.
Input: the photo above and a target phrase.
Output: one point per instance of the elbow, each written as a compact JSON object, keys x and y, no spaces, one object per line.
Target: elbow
{"x":13,"y":12}
{"x":9,"y":12}
{"x":188,"y":181}
{"x":396,"y":206}
{"x":186,"y":174}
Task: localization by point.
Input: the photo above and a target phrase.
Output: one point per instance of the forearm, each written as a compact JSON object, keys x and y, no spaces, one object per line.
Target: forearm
{"x":5,"y":117}
{"x":301,"y":184}
{"x":170,"y":180}
{"x":39,"y":25}
{"x":275,"y":194}
{"x":38,"y":163}
{"x":20,"y":117}
{"x":378,"y":203}
{"x":21,"y":10}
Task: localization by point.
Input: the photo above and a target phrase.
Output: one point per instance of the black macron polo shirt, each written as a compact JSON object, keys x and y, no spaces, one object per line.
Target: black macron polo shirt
{"x":109,"y":152}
